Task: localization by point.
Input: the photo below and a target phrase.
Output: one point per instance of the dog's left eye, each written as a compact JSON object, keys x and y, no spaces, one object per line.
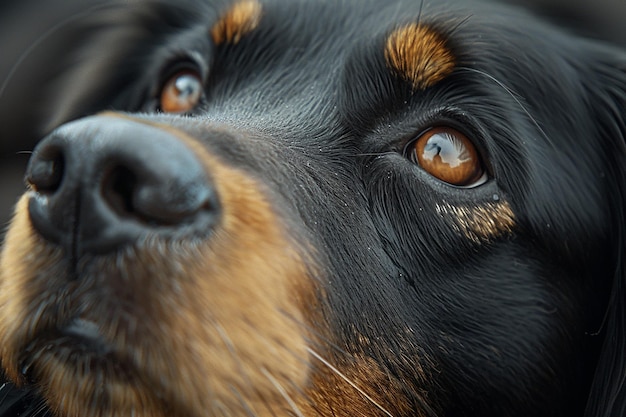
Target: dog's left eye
{"x":448,"y":155}
{"x":181,"y":93}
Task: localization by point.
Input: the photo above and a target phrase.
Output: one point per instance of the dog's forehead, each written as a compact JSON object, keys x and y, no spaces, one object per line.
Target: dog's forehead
{"x":267,"y":53}
{"x":303,"y":43}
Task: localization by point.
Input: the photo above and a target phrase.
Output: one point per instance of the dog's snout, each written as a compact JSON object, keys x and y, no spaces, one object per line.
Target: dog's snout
{"x":107,"y":181}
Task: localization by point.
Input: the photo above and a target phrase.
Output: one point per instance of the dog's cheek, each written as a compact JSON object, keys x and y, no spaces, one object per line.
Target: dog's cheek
{"x":237,"y":328}
{"x":361,"y":386}
{"x":22,"y":285}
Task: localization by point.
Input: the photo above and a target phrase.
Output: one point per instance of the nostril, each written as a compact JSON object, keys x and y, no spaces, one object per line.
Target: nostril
{"x":96,"y":190}
{"x":118,"y":188}
{"x":152,"y":197}
{"x":46,"y":171}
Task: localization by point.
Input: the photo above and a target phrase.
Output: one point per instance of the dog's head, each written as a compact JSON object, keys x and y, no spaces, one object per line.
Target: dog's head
{"x":316,"y":208}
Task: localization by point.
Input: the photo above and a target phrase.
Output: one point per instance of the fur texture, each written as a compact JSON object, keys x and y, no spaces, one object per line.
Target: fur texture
{"x":361,"y":210}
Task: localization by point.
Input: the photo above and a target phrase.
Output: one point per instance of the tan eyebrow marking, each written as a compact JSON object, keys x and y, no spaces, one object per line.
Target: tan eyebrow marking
{"x":242,"y":18}
{"x":419,"y":54}
{"x":482,"y":223}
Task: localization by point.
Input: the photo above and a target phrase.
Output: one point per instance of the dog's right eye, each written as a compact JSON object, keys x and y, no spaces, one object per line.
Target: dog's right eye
{"x":181,"y":93}
{"x":449,"y":156}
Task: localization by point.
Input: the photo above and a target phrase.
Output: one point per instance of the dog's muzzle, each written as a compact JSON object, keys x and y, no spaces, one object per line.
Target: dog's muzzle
{"x":103,"y":182}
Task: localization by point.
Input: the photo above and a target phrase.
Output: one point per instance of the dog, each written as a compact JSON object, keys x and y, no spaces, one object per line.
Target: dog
{"x":310,"y":208}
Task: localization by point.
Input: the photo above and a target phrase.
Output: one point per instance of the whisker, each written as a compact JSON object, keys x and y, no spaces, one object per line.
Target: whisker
{"x":346,"y":379}
{"x":513,"y":94}
{"x":233,"y":352}
{"x":375,"y":153}
{"x":317,"y":336}
{"x":41,"y":411}
{"x":282,"y":392}
{"x":419,"y":13}
{"x":220,"y":409}
{"x":6,"y":389}
{"x":243,"y":402}
{"x":454,"y":29}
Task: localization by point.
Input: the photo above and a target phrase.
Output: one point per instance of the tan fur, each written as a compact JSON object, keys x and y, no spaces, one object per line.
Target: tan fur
{"x":243,"y":17}
{"x":357,"y":388}
{"x":481,"y":223}
{"x":419,"y":55}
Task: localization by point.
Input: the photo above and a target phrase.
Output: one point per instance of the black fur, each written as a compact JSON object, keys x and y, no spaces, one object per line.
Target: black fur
{"x":527,"y":323}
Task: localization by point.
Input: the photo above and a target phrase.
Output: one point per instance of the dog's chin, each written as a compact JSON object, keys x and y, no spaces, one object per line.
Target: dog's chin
{"x":120,"y":364}
{"x":78,"y":349}
{"x":89,"y":373}
{"x":77,"y":365}
{"x":79,"y":371}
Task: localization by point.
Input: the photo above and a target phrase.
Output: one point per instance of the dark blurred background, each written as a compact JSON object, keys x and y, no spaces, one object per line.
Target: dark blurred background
{"x":38,"y":36}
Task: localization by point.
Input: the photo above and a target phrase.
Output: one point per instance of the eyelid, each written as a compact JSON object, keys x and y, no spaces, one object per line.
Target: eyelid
{"x":177,"y":64}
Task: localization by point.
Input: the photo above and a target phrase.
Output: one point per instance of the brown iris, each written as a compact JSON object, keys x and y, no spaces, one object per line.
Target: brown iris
{"x":181,"y":93}
{"x":450,"y":156}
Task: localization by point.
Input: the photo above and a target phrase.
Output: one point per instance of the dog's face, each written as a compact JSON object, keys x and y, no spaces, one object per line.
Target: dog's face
{"x":317,"y":208}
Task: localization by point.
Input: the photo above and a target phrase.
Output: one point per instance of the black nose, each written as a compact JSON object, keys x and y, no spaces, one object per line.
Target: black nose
{"x":107,"y":181}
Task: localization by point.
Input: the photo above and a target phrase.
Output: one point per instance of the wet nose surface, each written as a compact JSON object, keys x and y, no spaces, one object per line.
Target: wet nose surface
{"x":105,"y":181}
